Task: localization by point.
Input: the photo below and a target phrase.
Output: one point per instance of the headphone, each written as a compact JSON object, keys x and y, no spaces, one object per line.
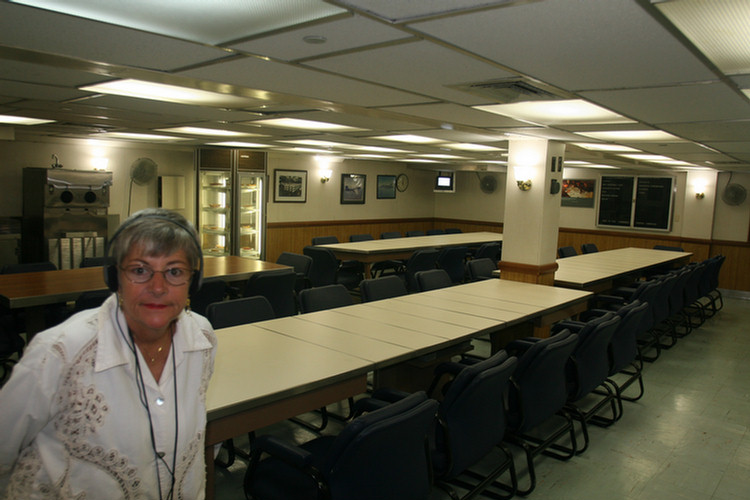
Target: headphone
{"x":111,"y":278}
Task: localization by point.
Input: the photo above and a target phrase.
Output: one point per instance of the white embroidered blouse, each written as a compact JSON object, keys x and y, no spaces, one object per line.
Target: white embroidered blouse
{"x":75,"y":426}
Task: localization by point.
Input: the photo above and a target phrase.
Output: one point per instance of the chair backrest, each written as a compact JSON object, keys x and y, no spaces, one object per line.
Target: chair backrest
{"x":692,"y":284}
{"x":415,"y":233}
{"x":677,"y":295}
{"x":93,"y":261}
{"x":667,"y":247}
{"x":624,"y":344}
{"x":589,"y":248}
{"x":324,"y":240}
{"x":472,"y":413}
{"x":301,"y":265}
{"x":478,"y":269}
{"x":432,"y":279}
{"x":383,"y":454}
{"x":589,"y":366}
{"x":452,"y":230}
{"x":420,"y":260}
{"x":660,"y":299}
{"x":30,"y":267}
{"x":566,"y":252}
{"x":361,"y":237}
{"x":452,"y":260}
{"x":240,"y":311}
{"x":390,"y":234}
{"x":382,"y":288}
{"x":324,"y":266}
{"x":324,"y":297}
{"x":539,"y":387}
{"x":212,"y":290}
{"x":277,"y":286}
{"x":491,"y":250}
{"x":431,"y":232}
{"x":90,"y":300}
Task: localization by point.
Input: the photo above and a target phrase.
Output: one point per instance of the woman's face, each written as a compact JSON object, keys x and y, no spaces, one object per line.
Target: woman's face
{"x":150,"y":307}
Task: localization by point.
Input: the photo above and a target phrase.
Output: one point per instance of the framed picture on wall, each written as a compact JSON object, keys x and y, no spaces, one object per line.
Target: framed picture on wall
{"x":353,"y":188}
{"x":386,"y":187}
{"x":290,"y":186}
{"x":578,"y":193}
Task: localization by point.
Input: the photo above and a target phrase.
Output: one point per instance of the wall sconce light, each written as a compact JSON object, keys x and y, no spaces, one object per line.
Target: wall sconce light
{"x":523,"y":178}
{"x":700,"y":189}
{"x":325,"y":175}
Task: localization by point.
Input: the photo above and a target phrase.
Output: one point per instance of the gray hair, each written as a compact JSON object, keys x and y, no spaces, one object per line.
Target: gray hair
{"x":158,"y":232}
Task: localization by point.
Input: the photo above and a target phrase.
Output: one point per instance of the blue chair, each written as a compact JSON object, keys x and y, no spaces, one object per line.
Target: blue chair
{"x":324,"y":297}
{"x":277,"y":286}
{"x":382,"y":288}
{"x":240,"y":311}
{"x":349,"y":266}
{"x":537,"y":396}
{"x":301,"y":265}
{"x":492,"y":250}
{"x":432,"y":280}
{"x":93,"y":261}
{"x":361,"y":237}
{"x":452,"y":230}
{"x":379,"y":455}
{"x":420,"y":260}
{"x":415,"y":233}
{"x":589,"y":248}
{"x":563,"y":252}
{"x":211,"y":290}
{"x":452,"y":260}
{"x":431,"y":232}
{"x":390,"y":234}
{"x":480,"y":269}
{"x":326,"y":269}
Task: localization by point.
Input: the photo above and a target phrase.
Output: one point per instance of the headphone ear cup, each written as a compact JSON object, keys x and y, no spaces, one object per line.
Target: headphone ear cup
{"x":110,"y":277}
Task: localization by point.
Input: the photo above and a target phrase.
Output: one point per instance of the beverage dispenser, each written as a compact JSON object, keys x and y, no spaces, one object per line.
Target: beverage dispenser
{"x":64,"y":215}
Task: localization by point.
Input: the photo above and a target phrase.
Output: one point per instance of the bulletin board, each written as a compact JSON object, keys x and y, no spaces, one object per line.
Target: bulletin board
{"x":639,"y":202}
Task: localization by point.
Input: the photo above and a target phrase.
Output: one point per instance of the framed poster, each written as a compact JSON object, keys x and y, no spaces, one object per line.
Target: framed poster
{"x":290,"y":186}
{"x":353,"y":188}
{"x":578,"y":193}
{"x":386,"y":186}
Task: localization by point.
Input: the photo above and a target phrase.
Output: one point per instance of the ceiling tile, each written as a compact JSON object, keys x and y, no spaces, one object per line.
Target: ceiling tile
{"x":36,"y":91}
{"x":431,"y":69}
{"x":575,"y":44}
{"x":710,"y":131}
{"x":668,"y":104}
{"x":399,"y":10}
{"x":453,"y":113}
{"x":42,"y":74}
{"x":341,"y":34}
{"x":54,"y":33}
{"x":288,"y":79}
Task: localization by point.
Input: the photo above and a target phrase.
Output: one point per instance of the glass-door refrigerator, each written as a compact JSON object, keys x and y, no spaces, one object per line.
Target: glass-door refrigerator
{"x":231,"y":218}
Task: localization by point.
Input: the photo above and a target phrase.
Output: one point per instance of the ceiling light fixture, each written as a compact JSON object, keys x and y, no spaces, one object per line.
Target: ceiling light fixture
{"x":297,"y":123}
{"x":22,"y":120}
{"x":167,"y":93}
{"x":565,"y":112}
{"x":632,"y":136}
{"x":207,"y":131}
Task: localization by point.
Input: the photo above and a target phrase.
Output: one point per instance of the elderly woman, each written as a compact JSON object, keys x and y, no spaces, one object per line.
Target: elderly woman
{"x":111,"y":403}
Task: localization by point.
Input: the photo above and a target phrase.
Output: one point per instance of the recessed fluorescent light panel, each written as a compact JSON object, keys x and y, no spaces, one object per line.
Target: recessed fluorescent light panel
{"x":139,"y":137}
{"x":612,"y":148}
{"x":167,"y":93}
{"x":632,"y":136}
{"x":409,"y":138}
{"x":441,"y":156}
{"x":297,"y":123}
{"x":465,"y":146}
{"x":239,"y":144}
{"x":191,"y":20}
{"x":207,"y":131}
{"x":719,"y":28}
{"x":22,"y":120}
{"x":565,"y":112}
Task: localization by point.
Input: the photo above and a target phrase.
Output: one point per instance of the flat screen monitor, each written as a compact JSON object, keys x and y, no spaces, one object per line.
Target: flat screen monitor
{"x":444,"y":183}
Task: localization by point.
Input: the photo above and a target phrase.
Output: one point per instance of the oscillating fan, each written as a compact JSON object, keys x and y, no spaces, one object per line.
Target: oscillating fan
{"x":734,"y":194}
{"x":487,"y":183}
{"x":142,"y":171}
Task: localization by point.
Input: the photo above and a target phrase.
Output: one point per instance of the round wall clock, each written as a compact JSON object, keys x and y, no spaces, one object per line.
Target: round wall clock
{"x":402,"y":182}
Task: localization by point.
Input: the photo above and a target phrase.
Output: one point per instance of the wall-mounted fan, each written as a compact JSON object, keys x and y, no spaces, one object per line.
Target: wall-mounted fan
{"x":487,"y":183}
{"x":734,"y":194}
{"x":142,"y":171}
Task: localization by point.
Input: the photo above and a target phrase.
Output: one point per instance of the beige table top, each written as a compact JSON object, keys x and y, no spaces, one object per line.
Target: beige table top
{"x":255,"y":366}
{"x":589,"y":270}
{"x":410,"y":244}
{"x":49,"y":287}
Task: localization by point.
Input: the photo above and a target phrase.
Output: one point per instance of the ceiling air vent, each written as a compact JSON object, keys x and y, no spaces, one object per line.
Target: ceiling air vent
{"x":518,"y":89}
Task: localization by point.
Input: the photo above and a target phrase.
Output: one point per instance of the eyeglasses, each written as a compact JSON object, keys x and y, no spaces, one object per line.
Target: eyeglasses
{"x":175,"y":276}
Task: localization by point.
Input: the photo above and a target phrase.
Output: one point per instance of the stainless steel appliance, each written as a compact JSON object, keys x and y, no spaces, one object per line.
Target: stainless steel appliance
{"x":231,"y":204}
{"x":64,"y":215}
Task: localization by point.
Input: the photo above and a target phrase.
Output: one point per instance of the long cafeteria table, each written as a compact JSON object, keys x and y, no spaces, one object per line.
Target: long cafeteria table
{"x":598,"y":271}
{"x":371,"y":251}
{"x":268,"y":371}
{"x":38,"y":289}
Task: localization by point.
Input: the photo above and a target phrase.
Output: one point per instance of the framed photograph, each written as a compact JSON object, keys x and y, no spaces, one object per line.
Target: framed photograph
{"x":578,"y":193}
{"x":386,"y":187}
{"x":353,"y":188}
{"x":290,"y":186}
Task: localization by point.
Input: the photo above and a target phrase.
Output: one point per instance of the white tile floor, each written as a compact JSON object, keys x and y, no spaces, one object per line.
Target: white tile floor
{"x":687,"y":438}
